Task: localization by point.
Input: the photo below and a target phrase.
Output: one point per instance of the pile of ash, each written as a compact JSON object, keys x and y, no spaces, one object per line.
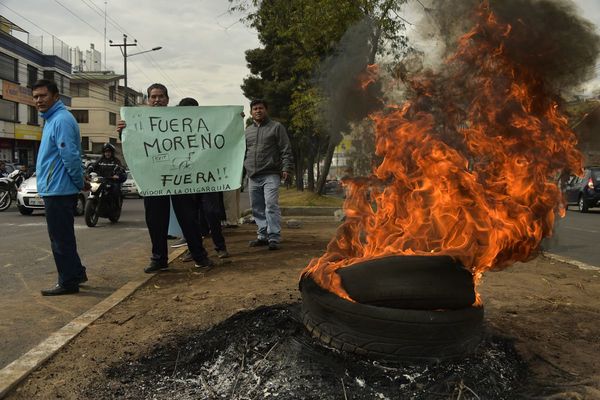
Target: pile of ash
{"x":266,"y":353}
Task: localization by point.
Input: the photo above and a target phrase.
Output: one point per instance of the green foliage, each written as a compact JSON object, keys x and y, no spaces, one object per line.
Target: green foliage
{"x":296,"y":36}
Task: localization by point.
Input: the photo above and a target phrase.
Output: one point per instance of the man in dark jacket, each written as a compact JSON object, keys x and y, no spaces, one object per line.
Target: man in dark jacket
{"x":268,"y":159}
{"x":109,"y":166}
{"x":3,"y":171}
{"x":59,"y":180}
{"x":157,"y":210}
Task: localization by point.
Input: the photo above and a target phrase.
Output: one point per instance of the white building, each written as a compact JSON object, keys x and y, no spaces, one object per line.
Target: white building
{"x":97,"y":99}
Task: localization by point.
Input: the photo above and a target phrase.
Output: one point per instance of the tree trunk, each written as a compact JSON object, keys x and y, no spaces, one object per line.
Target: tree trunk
{"x":318,"y":160}
{"x":299,"y":170}
{"x":310,"y":173}
{"x":326,"y":165}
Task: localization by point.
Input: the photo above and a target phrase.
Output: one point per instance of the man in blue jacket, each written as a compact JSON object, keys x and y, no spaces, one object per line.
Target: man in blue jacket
{"x":59,"y":180}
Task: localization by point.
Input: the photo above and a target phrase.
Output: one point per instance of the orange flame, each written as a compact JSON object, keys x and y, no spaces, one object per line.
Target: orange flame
{"x":469,"y":167}
{"x":368,"y":76}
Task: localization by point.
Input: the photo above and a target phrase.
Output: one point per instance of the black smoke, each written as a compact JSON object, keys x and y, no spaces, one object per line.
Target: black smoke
{"x":339,"y":79}
{"x":548,"y":37}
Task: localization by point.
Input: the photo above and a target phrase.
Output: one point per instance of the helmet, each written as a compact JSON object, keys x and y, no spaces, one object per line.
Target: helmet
{"x":108,"y":146}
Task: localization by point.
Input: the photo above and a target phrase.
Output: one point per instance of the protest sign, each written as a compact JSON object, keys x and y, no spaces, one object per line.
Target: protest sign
{"x":181,"y":150}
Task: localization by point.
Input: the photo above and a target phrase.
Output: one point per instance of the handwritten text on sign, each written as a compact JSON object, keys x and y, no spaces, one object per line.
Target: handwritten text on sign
{"x":178,"y":150}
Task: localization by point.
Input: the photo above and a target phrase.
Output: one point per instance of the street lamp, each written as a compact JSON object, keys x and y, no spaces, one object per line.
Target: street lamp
{"x":123,"y":47}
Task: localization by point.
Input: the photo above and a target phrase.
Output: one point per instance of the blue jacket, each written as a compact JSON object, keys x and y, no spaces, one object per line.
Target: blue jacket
{"x":58,"y":168}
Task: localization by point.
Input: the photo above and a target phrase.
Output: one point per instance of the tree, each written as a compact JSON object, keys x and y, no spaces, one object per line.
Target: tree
{"x":297,"y":38}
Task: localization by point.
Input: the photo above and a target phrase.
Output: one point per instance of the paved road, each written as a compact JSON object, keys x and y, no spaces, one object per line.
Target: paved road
{"x":114,"y":254}
{"x":577,"y":236}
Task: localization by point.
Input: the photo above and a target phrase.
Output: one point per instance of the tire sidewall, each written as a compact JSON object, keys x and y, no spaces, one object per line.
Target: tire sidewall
{"x":390,"y":333}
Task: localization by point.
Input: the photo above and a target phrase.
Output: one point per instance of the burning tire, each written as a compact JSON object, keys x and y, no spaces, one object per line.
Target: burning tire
{"x":386,"y":328}
{"x":412,"y":282}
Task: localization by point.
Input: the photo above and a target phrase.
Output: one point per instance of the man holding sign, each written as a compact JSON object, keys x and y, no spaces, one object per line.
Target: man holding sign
{"x":157,"y":202}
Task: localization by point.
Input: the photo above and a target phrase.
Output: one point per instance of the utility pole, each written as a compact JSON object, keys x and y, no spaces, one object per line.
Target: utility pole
{"x":104,"y":69}
{"x":123,"y":47}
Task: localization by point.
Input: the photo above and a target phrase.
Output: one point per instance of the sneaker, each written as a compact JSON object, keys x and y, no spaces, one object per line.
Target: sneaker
{"x":273,"y":245}
{"x":205,"y":264}
{"x":155,"y":266}
{"x":222,"y":253}
{"x":258,"y":242}
{"x":180,"y":243}
{"x":186,"y":257}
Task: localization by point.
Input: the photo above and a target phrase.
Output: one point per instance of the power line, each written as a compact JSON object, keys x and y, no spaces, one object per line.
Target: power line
{"x":94,"y":8}
{"x":78,"y":17}
{"x":148,"y":57}
{"x":160,"y":70}
{"x":113,"y":23}
{"x":28,"y":20}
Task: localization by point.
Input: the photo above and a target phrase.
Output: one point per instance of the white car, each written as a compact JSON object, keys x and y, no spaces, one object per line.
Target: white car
{"x":129,"y":187}
{"x":28,"y":199}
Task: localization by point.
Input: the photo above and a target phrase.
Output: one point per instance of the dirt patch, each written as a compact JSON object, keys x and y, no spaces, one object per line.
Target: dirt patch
{"x":268,"y":353}
{"x":549,"y":310}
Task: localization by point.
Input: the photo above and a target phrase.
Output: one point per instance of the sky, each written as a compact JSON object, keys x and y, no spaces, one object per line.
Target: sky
{"x":203,"y":45}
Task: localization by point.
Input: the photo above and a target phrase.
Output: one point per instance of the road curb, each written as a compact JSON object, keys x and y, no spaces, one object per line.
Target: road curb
{"x":15,"y":372}
{"x":579,"y":264}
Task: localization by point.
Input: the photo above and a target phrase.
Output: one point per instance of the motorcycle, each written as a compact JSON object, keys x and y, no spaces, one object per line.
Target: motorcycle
{"x":8,"y":188}
{"x":102,"y":202}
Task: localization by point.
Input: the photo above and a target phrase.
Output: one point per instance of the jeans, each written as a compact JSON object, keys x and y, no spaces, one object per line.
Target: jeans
{"x":157,"y":219}
{"x":60,"y":218}
{"x":264,"y":200}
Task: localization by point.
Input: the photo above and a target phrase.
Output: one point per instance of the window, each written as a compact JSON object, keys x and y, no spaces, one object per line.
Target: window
{"x":56,"y":77}
{"x":85,"y":143}
{"x":32,"y":75}
{"x":112,"y":93}
{"x":8,"y":110}
{"x":8,"y":68}
{"x":60,"y":82}
{"x":81,"y":116}
{"x":80,"y":89}
{"x":33,"y":115}
{"x":112,"y":118}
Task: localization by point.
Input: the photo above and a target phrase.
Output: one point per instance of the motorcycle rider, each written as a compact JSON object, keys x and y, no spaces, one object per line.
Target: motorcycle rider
{"x":110,"y":167}
{"x":3,"y":171}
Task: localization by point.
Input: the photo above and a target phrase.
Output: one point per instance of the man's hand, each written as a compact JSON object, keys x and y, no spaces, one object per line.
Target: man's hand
{"x":120,"y":126}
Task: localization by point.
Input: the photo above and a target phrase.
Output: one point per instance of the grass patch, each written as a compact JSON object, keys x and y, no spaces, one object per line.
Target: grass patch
{"x":295,"y":198}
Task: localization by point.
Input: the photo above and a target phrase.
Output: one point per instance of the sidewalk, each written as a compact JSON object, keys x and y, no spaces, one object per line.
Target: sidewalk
{"x":550,"y":308}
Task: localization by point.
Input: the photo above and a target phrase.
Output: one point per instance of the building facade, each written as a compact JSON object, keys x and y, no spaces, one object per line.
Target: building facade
{"x":20,"y":66}
{"x":97,"y":99}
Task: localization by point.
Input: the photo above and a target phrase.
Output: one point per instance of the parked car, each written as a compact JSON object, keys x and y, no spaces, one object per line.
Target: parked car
{"x":584,"y":191}
{"x":28,"y":199}
{"x":129,"y":187}
{"x":334,"y":188}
